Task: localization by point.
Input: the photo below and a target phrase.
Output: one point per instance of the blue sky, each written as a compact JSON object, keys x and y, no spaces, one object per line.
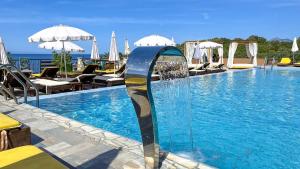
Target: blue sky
{"x":133,"y":19}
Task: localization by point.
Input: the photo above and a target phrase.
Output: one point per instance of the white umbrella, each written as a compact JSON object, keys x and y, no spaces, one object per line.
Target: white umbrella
{"x":126,"y":48}
{"x":95,"y":51}
{"x":154,"y":40}
{"x":60,"y":33}
{"x":3,"y":55}
{"x":113,"y":51}
{"x":58,"y":46}
{"x":294,"y":48}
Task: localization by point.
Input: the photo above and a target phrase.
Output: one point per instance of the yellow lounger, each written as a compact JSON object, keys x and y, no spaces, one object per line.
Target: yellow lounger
{"x":28,"y":157}
{"x":284,"y":62}
{"x":107,"y":71}
{"x":242,"y":66}
{"x":7,"y":122}
{"x":48,"y":72}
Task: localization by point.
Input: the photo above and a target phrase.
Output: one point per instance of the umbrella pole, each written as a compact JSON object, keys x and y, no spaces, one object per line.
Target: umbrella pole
{"x":114,"y":67}
{"x":61,"y":63}
{"x":65,"y":59}
{"x":293,"y":57}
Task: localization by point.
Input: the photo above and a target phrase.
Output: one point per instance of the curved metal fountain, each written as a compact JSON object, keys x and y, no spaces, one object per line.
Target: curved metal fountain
{"x":139,"y":68}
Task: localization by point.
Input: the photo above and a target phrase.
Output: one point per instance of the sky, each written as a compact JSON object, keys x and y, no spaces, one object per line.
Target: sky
{"x":133,"y":19}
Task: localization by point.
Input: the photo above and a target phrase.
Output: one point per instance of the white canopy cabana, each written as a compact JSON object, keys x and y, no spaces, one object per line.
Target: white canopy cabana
{"x":198,"y":54}
{"x":251,"y":50}
{"x":207,"y":48}
{"x":3,"y":54}
{"x":191,"y":48}
{"x":155,"y":40}
{"x":203,"y":51}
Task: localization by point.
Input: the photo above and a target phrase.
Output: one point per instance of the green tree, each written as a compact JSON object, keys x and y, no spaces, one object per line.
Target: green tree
{"x":266,"y":48}
{"x":57,"y":60}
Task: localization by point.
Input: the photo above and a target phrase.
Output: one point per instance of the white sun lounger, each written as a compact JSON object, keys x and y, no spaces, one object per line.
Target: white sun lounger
{"x":52,"y":85}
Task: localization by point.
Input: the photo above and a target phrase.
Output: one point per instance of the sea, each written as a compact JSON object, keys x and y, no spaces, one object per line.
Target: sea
{"x":34,"y":59}
{"x":46,"y":56}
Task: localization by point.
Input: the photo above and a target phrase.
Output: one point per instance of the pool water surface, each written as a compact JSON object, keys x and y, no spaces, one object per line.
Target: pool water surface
{"x":244,"y":119}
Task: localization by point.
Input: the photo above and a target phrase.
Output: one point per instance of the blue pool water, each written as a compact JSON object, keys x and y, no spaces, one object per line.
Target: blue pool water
{"x":247,"y":119}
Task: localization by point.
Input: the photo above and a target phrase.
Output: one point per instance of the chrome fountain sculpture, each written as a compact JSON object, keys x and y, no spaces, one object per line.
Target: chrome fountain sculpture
{"x":139,"y":68}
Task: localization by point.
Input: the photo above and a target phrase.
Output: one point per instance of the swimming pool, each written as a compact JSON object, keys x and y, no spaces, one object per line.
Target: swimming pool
{"x":244,"y":119}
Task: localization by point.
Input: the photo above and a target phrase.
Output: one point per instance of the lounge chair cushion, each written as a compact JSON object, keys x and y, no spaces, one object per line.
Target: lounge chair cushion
{"x":7,"y":122}
{"x":285,"y":61}
{"x":28,"y":157}
{"x":36,"y":75}
{"x":46,"y":82}
{"x":242,"y":66}
{"x":199,"y":66}
{"x":110,"y":71}
{"x":297,"y":64}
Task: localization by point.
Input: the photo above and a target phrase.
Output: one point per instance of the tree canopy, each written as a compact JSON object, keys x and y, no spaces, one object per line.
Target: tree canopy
{"x":266,"y":48}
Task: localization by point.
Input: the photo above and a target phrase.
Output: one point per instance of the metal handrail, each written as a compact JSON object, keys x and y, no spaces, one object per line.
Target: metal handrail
{"x":273,"y":62}
{"x":18,"y":79}
{"x":7,"y":66}
{"x":8,"y":92}
{"x":265,"y":62}
{"x":31,"y":84}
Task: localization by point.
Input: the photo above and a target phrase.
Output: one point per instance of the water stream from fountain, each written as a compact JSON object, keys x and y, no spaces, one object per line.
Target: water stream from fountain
{"x":174,"y":89}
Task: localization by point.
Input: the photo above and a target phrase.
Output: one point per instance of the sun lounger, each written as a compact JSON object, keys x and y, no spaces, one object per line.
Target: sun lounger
{"x":13,"y":133}
{"x":50,"y":86}
{"x":193,"y":66}
{"x":216,"y":69}
{"x":89,"y":69}
{"x":48,"y":72}
{"x":219,"y":66}
{"x":7,"y":122}
{"x":296,"y":64}
{"x":83,"y":79}
{"x":242,"y":66}
{"x":115,"y":79}
{"x":155,"y":77}
{"x":111,"y":71}
{"x":284,"y":62}
{"x":28,"y":157}
{"x":199,"y":70}
{"x":108,"y":81}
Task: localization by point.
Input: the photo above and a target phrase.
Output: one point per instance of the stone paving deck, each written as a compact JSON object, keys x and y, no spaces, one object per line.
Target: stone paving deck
{"x":84,"y":147}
